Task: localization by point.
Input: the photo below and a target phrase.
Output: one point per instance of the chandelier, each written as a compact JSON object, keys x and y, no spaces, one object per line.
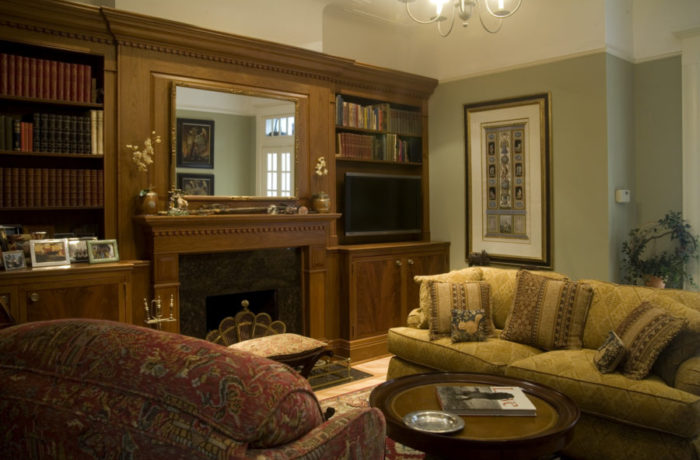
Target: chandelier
{"x":496,"y":11}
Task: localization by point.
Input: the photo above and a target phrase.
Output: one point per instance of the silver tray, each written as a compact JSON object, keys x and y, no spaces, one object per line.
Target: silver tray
{"x":434,"y":421}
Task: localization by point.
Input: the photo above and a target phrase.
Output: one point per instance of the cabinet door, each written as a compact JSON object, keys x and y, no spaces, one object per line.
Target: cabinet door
{"x":99,"y":300}
{"x":421,"y":264}
{"x":375,"y":296}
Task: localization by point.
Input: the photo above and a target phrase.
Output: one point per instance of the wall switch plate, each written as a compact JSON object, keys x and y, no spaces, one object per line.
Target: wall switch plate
{"x":622,"y":196}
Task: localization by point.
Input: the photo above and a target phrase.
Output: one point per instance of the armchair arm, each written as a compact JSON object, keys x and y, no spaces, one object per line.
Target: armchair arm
{"x":688,"y":376}
{"x":357,"y":434}
{"x":417,"y":319}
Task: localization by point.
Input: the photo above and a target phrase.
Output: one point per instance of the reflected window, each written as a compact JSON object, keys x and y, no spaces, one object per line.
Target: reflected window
{"x":277,"y":147}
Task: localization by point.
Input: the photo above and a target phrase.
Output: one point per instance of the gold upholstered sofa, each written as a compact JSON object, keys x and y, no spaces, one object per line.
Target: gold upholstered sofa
{"x":623,"y":414}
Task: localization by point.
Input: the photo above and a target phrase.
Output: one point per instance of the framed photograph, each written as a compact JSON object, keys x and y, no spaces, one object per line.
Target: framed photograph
{"x":509,"y":180}
{"x":195,"y":184}
{"x":78,"y":250}
{"x":45,"y":253}
{"x":195,"y":143}
{"x":100,"y":251}
{"x":14,"y":260}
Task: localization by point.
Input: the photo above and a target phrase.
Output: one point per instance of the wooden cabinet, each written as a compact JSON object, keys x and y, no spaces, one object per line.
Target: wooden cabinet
{"x":104,"y":291}
{"x":377,"y":290}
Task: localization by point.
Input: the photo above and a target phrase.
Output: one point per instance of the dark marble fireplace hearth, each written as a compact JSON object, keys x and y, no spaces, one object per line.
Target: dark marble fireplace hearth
{"x":232,"y":273}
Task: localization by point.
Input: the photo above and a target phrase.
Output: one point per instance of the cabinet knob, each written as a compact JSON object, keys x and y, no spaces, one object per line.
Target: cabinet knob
{"x":398,"y":263}
{"x":410,"y":262}
{"x":34,"y":297}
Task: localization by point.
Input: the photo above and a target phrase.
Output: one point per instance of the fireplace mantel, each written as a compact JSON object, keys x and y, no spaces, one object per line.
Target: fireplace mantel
{"x":169,"y":236}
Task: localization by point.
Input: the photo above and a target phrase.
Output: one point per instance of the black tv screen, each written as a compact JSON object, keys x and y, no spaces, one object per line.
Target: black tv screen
{"x":382,"y":204}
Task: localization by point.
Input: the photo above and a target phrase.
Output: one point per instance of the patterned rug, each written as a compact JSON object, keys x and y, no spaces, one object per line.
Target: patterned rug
{"x":360,"y":398}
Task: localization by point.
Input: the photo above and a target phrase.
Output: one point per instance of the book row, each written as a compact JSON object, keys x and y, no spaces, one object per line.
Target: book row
{"x":386,"y":147}
{"x":53,"y":133}
{"x":51,"y":188}
{"x":378,"y":117}
{"x":24,"y":76}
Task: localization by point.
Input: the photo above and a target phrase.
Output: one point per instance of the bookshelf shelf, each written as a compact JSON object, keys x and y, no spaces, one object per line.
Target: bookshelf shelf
{"x":53,"y":208}
{"x":81,"y":156}
{"x":44,"y":102}
{"x":377,"y":162}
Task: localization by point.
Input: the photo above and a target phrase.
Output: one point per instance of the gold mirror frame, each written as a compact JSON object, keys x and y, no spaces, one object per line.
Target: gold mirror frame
{"x":246,"y":91}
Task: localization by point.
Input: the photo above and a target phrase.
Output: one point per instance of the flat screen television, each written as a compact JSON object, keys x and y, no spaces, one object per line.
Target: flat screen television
{"x":382,"y":204}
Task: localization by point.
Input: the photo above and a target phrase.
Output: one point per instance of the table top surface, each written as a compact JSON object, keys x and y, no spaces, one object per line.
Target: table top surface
{"x":482,"y":436}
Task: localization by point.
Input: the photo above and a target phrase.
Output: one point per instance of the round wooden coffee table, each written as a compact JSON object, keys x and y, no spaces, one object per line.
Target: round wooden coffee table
{"x":483,"y":437}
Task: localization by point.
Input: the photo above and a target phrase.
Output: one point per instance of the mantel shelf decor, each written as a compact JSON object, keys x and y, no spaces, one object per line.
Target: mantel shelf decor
{"x":143,"y":158}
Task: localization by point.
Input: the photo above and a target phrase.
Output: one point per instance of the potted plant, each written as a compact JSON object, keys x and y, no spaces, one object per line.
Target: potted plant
{"x":660,"y":267}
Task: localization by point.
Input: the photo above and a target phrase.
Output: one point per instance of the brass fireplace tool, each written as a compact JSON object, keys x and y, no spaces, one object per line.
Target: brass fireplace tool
{"x":153,"y":312}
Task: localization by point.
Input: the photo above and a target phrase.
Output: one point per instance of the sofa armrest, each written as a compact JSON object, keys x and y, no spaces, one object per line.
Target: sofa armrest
{"x":688,"y":376}
{"x":357,"y":434}
{"x":417,"y":319}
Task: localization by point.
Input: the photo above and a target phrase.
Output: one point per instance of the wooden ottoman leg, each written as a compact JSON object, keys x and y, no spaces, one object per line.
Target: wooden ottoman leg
{"x":311,"y":362}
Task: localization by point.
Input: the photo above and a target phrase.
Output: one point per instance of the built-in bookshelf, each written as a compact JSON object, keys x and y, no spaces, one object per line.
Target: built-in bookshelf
{"x":377,"y":131}
{"x":51,"y":138}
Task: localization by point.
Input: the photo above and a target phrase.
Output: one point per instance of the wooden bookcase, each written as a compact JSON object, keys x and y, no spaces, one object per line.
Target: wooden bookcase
{"x":51,"y":139}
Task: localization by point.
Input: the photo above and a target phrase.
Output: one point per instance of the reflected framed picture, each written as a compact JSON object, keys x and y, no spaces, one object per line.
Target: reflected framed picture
{"x":78,"y":250}
{"x":101,"y":251}
{"x":14,"y":260}
{"x":195,"y":143}
{"x":509,"y":180}
{"x":195,"y":184}
{"x":45,"y":253}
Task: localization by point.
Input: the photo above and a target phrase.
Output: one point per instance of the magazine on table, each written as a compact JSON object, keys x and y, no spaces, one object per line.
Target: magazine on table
{"x":485,"y":400}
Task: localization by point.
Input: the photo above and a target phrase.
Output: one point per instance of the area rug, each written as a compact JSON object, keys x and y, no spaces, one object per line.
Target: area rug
{"x":360,"y":398}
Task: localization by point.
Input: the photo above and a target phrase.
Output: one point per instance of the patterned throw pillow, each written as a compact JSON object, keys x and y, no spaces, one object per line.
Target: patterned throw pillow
{"x":445,"y":297}
{"x":547,"y":313}
{"x":610,"y":354}
{"x":646,"y":331}
{"x":469,"y":326}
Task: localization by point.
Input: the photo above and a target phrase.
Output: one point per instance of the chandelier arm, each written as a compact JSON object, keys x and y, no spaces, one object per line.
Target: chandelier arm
{"x":452,"y":23}
{"x":486,"y":28}
{"x":486,"y":4}
{"x":420,"y":21}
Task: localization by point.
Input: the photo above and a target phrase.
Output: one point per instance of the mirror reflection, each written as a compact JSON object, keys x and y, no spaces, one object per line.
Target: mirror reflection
{"x":233,"y":144}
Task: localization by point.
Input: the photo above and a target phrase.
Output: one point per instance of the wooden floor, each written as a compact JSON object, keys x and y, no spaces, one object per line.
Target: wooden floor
{"x":377,"y":368}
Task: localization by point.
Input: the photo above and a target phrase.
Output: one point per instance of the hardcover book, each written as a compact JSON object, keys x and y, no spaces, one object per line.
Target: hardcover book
{"x":485,"y":400}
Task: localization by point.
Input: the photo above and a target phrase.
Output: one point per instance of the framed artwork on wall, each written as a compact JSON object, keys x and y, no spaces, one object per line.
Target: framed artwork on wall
{"x":195,"y":143}
{"x":509,"y":180}
{"x":195,"y":184}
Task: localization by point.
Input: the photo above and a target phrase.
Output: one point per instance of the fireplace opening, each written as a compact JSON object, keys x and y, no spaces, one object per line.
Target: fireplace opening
{"x":220,"y":306}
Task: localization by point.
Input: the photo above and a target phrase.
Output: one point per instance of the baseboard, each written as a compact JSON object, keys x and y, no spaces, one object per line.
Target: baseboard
{"x":361,"y":349}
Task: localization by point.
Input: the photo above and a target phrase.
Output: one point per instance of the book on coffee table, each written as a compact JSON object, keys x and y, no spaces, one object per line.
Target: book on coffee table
{"x":485,"y":400}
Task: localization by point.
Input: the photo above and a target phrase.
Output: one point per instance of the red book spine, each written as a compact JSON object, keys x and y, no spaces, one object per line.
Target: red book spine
{"x":59,"y":187}
{"x":33,"y":78}
{"x":26,"y":76}
{"x":11,"y":73}
{"x":94,"y":200}
{"x":18,"y":76}
{"x":66,"y":81}
{"x":73,"y":187}
{"x":61,"y":81}
{"x":53,"y":77}
{"x":22,"y":187}
{"x":45,"y":188}
{"x":14,"y":194}
{"x":38,"y":195}
{"x":100,"y":188}
{"x":46,"y":78}
{"x":30,"y":187}
{"x":53,"y":198}
{"x":4,"y":77}
{"x":40,"y":78}
{"x":74,"y":78}
{"x":87,"y":83}
{"x":7,"y":187}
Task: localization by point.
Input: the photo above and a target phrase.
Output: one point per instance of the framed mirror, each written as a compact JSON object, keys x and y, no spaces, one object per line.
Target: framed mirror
{"x":233,"y":143}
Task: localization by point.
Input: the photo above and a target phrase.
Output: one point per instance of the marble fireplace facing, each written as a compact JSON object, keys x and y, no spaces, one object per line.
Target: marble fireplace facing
{"x":212,"y":287}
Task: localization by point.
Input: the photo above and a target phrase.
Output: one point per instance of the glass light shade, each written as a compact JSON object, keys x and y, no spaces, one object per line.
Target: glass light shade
{"x":502,"y":8}
{"x":438,"y":6}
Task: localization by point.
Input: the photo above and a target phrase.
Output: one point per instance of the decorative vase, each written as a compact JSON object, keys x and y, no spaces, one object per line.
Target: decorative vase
{"x":321,"y":202}
{"x":654,"y":281}
{"x":149,"y":202}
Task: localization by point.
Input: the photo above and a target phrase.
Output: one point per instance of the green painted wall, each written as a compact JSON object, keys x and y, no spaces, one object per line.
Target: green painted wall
{"x":658,"y":127}
{"x":579,"y":155}
{"x":621,"y":155}
{"x":615,"y":125}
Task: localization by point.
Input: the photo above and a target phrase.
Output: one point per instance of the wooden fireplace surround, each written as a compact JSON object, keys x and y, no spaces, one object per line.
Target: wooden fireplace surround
{"x":169,"y":236}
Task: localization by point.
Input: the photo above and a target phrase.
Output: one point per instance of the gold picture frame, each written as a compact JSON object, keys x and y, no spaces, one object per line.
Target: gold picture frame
{"x":509,"y":180}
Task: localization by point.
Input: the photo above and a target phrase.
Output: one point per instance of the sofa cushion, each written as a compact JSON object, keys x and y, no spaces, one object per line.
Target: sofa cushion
{"x":688,"y":376}
{"x":469,"y":326}
{"x":489,"y":357}
{"x":610,"y":354}
{"x":454,"y":276}
{"x":162,"y":392}
{"x":646,"y":331}
{"x":649,"y":403}
{"x":502,"y":282}
{"x":547,"y":313}
{"x":445,"y":297}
